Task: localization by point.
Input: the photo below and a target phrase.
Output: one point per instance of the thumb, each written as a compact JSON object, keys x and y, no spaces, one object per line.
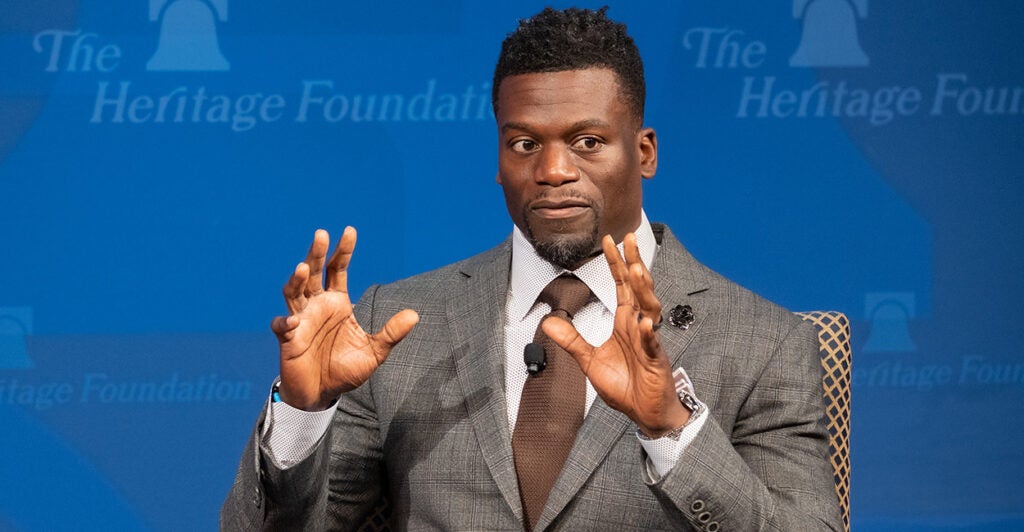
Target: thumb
{"x":563,"y":333}
{"x":394,"y":331}
{"x":284,"y":327}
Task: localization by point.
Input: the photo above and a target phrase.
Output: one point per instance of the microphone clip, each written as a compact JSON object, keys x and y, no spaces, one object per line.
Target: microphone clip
{"x":534,"y":357}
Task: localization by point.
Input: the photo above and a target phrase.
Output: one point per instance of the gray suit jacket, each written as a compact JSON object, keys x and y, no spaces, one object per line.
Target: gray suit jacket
{"x":429,"y":428}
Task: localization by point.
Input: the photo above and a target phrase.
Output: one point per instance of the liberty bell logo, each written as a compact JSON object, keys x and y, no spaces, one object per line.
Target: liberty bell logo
{"x":829,"y":36}
{"x":889,"y":314}
{"x":15,"y":325}
{"x":188,"y":35}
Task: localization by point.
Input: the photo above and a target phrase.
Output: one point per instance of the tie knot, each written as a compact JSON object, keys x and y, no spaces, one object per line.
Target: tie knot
{"x":567,"y":293}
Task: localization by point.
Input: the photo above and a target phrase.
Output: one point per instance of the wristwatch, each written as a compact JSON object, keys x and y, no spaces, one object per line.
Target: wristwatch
{"x":690,"y":403}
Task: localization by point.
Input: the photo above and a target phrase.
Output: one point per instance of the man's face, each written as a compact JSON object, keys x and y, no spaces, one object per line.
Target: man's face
{"x":571,"y":156}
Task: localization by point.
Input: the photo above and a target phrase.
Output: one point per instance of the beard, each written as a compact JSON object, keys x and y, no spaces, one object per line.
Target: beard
{"x":566,"y":250}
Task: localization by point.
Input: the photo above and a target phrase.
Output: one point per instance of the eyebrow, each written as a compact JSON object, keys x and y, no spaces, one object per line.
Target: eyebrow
{"x":582,"y":124}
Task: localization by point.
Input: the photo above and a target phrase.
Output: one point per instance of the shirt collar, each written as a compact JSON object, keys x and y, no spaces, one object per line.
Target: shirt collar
{"x":530,"y":273}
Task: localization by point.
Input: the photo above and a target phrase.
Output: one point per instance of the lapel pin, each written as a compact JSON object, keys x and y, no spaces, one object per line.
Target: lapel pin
{"x":681,"y":316}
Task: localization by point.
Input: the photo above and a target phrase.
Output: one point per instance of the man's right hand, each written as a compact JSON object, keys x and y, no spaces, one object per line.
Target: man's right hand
{"x":324,"y":351}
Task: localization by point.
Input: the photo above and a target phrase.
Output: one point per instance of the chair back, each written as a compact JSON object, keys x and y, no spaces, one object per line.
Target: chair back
{"x":834,"y":338}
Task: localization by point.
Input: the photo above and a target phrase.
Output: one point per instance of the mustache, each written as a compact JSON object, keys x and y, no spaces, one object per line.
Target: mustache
{"x":557,"y":196}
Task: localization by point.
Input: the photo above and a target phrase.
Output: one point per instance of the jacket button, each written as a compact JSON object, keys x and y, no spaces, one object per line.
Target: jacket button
{"x":704,"y":517}
{"x":697,"y":506}
{"x":257,"y":499}
{"x":712,"y":526}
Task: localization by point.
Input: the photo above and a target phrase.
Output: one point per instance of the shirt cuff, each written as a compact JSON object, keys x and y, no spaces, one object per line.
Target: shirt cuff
{"x":663,"y":453}
{"x":290,"y":435}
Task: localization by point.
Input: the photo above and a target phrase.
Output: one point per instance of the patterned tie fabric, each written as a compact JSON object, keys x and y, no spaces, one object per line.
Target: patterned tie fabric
{"x":552,"y":405}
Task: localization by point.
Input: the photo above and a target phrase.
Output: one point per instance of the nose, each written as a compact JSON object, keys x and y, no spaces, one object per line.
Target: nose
{"x":555,"y":167}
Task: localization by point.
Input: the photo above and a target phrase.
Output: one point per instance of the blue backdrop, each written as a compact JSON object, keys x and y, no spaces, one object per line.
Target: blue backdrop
{"x":164,"y":164}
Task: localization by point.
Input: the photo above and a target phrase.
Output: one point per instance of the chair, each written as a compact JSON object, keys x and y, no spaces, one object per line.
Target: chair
{"x":834,"y":338}
{"x":377,"y":521}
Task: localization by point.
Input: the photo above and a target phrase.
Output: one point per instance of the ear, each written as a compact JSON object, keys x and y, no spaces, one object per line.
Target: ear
{"x":497,"y":178}
{"x":648,"y":145}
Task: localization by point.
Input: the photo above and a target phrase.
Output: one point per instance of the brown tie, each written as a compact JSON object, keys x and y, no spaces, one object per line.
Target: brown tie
{"x":551,"y":409}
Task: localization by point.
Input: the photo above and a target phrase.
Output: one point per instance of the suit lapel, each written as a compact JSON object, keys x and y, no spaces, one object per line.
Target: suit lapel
{"x":476,"y":314}
{"x":677,"y":278}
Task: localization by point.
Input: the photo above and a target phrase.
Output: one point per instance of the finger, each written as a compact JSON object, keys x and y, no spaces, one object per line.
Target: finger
{"x":632,"y":253}
{"x":631,"y":250}
{"x":649,"y":339}
{"x":337,"y":268}
{"x":393,"y":332}
{"x":563,"y":333}
{"x":620,"y":273}
{"x":315,"y":260}
{"x":294,"y":289}
{"x":640,"y":280}
{"x":284,"y":327}
{"x":642,"y":285}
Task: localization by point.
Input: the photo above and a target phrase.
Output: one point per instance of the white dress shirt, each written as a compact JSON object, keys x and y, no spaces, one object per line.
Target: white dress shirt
{"x":290,"y":434}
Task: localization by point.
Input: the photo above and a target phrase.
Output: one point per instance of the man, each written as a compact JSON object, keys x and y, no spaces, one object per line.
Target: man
{"x":437,"y":410}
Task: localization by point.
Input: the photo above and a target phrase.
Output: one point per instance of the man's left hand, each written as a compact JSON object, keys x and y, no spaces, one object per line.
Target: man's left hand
{"x":630,"y":371}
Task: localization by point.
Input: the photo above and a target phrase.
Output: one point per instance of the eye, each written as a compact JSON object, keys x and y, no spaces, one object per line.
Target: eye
{"x":524,"y":146}
{"x":587,"y":144}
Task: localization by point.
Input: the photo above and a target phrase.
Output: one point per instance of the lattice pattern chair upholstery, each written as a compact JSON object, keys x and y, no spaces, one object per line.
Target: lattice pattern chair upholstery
{"x":377,"y":521}
{"x":834,"y":337}
{"x":836,"y":358}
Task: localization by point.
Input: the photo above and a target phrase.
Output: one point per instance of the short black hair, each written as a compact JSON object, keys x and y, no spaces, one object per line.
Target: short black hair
{"x":573,"y":39}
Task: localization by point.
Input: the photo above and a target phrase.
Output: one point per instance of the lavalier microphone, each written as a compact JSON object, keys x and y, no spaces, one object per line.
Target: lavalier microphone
{"x":534,"y":357}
